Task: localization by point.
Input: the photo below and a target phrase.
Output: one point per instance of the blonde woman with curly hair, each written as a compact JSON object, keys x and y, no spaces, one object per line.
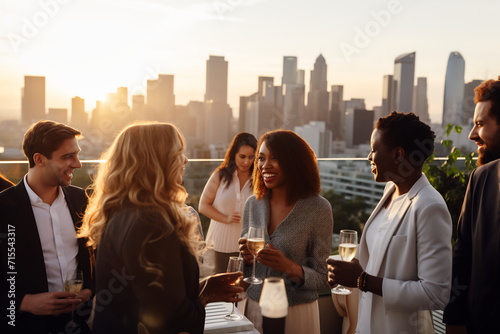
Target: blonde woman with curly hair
{"x":146,"y":269}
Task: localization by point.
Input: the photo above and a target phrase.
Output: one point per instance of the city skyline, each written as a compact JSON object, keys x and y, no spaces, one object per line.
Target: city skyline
{"x":89,"y":49}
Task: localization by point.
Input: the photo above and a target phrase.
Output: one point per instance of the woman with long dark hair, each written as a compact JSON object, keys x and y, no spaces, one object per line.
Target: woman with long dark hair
{"x":224,"y":197}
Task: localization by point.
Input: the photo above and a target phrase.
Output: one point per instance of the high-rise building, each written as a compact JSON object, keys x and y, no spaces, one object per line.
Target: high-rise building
{"x":138,"y":106}
{"x":216,"y":80}
{"x":292,"y":83}
{"x":359,"y":126}
{"x":377,"y":113}
{"x":468,"y":104}
{"x":264,"y":84}
{"x":317,"y":136}
{"x":317,"y":98}
{"x":336,"y":121}
{"x":59,"y":115}
{"x":289,"y":70}
{"x":79,"y":117}
{"x":403,"y":80}
{"x":33,"y":99}
{"x":263,"y":110}
{"x":218,"y":123}
{"x":161,"y":98}
{"x":293,"y":106}
{"x":387,"y":95}
{"x":420,"y":103}
{"x":454,"y":90}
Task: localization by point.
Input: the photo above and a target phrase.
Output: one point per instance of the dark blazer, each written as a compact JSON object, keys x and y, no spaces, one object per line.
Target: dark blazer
{"x":475,"y":293}
{"x":125,"y":293}
{"x":23,"y":263}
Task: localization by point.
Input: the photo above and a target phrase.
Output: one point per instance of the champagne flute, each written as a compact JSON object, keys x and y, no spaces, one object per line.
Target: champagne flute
{"x":348,"y":242}
{"x":255,"y":242}
{"x":235,"y":264}
{"x":74,"y":284}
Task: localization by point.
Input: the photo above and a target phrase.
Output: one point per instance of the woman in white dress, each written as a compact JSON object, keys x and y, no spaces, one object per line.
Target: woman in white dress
{"x":224,"y":197}
{"x":404,"y":267}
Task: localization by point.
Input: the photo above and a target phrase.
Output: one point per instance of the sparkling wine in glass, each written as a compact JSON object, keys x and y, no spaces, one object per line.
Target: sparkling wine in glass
{"x":255,"y":242}
{"x":348,"y":242}
{"x":235,"y":264}
{"x":73,"y":284}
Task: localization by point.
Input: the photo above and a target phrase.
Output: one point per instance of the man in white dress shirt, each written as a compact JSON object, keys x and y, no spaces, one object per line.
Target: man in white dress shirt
{"x":39,"y":217}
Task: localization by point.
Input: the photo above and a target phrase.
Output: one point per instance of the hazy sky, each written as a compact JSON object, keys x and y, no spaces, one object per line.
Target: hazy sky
{"x":88,"y":48}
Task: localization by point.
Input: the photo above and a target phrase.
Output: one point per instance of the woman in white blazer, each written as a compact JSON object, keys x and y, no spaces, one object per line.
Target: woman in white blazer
{"x":404,"y":267}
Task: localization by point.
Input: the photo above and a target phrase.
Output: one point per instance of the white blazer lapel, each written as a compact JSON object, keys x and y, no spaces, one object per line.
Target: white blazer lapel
{"x":397,"y":218}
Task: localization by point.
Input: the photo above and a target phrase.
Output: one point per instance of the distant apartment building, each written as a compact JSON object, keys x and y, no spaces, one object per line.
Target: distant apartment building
{"x":351,"y":179}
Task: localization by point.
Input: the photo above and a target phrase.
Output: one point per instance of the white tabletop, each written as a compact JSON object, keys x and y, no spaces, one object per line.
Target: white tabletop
{"x":216,"y":324}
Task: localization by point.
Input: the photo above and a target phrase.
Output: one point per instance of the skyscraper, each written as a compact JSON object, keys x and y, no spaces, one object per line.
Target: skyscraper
{"x":387,"y":95}
{"x":336,"y":120}
{"x":317,"y":98}
{"x":264,"y":84}
{"x":78,"y":115}
{"x":420,"y":103}
{"x":216,"y":81}
{"x":454,"y":90}
{"x":289,"y":70}
{"x":468,"y":104}
{"x":292,"y":83}
{"x":403,"y":80}
{"x":33,"y":99}
{"x":161,"y":98}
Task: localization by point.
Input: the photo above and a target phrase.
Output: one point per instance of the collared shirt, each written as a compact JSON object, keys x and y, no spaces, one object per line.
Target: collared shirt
{"x":57,"y":236}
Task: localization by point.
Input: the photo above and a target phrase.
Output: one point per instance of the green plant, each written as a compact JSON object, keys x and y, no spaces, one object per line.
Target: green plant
{"x":448,"y":178}
{"x":347,"y":213}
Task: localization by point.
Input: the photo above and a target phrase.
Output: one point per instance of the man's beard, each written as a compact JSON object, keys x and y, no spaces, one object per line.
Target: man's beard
{"x":488,"y":155}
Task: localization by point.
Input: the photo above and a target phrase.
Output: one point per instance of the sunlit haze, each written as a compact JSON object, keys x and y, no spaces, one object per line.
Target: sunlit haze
{"x":90,"y":48}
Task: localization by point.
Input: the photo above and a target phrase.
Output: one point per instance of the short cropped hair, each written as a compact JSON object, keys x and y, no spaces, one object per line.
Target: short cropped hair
{"x":489,"y":91}
{"x":45,"y":137}
{"x":297,"y":161}
{"x":408,"y":132}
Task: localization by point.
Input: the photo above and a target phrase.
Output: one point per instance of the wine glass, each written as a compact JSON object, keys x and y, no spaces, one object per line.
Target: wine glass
{"x":255,"y":242}
{"x":73,"y":284}
{"x":348,"y":242}
{"x":235,"y":264}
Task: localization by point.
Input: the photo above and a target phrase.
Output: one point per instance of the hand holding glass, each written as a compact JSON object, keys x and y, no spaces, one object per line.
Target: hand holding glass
{"x":74,"y":284}
{"x":348,"y":242}
{"x":235,"y":264}
{"x":255,"y":242}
